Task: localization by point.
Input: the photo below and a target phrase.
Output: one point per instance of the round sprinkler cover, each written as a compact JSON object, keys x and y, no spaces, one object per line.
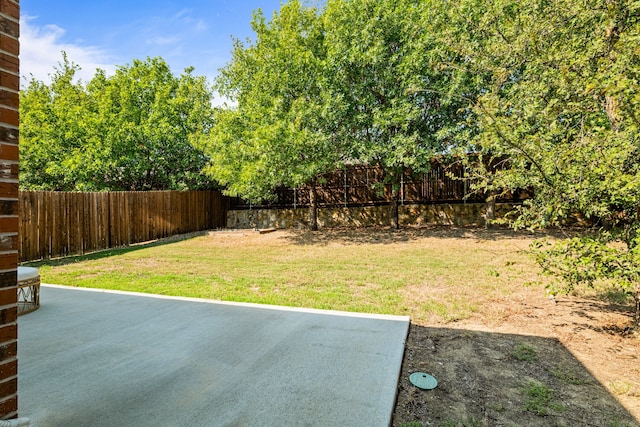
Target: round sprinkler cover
{"x":423,"y":381}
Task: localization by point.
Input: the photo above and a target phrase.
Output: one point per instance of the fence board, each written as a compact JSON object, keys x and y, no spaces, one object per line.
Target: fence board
{"x":23,"y":231}
{"x":359,"y":185}
{"x":54,"y":224}
{"x":103,"y":204}
{"x":41,"y":226}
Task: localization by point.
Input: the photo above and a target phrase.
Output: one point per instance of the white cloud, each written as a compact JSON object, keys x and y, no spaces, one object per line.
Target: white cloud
{"x":41,"y":50}
{"x":182,"y":13}
{"x":192,"y":24}
{"x":163,"y":41}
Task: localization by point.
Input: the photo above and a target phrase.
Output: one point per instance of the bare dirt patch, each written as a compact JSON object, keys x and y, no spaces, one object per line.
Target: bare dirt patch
{"x":525,"y":360}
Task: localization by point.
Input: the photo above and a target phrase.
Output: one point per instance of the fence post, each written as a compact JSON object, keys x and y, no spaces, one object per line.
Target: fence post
{"x":402,"y":188}
{"x":345,"y":186}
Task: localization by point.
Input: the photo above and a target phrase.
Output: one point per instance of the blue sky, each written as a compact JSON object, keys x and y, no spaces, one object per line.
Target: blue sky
{"x":103,"y":34}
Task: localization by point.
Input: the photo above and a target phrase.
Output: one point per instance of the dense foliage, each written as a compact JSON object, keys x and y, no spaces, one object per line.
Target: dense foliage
{"x":130,"y":131}
{"x":559,"y":104}
{"x":546,"y":93}
{"x":275,"y":133}
{"x":387,"y":97}
{"x":321,"y":87}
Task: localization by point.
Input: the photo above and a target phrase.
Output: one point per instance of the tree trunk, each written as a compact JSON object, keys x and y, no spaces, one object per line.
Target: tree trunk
{"x":490,"y":215}
{"x":636,"y":300}
{"x":612,"y":109}
{"x":313,"y":208}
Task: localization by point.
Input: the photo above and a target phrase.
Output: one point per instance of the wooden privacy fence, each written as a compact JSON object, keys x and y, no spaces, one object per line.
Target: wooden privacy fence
{"x":362,"y":185}
{"x":54,"y":224}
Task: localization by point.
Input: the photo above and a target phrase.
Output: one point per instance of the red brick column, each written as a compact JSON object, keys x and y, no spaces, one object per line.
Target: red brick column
{"x":9,"y":95}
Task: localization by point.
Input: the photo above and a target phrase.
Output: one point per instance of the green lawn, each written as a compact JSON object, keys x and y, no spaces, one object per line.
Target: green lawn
{"x":430,"y":274}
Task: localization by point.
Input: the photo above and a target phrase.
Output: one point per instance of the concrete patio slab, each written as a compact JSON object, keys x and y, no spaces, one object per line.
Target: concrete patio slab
{"x":98,"y":358}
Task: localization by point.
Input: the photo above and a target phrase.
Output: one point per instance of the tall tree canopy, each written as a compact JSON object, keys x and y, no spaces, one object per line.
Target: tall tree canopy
{"x":320,"y":87}
{"x":389,"y":100}
{"x":560,"y":105}
{"x":130,"y":131}
{"x":275,"y":133}
{"x":55,"y":121}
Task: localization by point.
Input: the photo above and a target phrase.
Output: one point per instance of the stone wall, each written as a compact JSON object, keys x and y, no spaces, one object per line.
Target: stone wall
{"x":459,"y":214}
{"x":9,"y":98}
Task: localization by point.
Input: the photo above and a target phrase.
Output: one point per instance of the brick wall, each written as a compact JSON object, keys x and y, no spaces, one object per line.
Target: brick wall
{"x":9,"y":95}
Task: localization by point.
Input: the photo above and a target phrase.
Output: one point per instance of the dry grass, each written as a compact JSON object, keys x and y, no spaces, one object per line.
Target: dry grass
{"x":434,"y":275}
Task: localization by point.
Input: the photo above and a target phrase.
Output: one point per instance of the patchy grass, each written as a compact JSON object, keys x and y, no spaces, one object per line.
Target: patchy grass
{"x":620,"y":388}
{"x":567,"y":375}
{"x":524,"y":353}
{"x":540,"y":399}
{"x":427,"y":274}
{"x":466,"y":422}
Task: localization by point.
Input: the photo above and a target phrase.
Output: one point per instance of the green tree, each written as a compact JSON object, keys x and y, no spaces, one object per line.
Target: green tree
{"x":390,"y":102}
{"x":319,"y":88}
{"x":55,"y":124}
{"x":560,"y":106}
{"x":149,"y":119}
{"x":276,"y":132}
{"x":130,"y":131}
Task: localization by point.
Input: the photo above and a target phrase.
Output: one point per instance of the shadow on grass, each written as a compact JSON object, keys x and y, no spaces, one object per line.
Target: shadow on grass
{"x":71,"y":259}
{"x":385,"y":235}
{"x":486,"y":380}
{"x":585,"y":308}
